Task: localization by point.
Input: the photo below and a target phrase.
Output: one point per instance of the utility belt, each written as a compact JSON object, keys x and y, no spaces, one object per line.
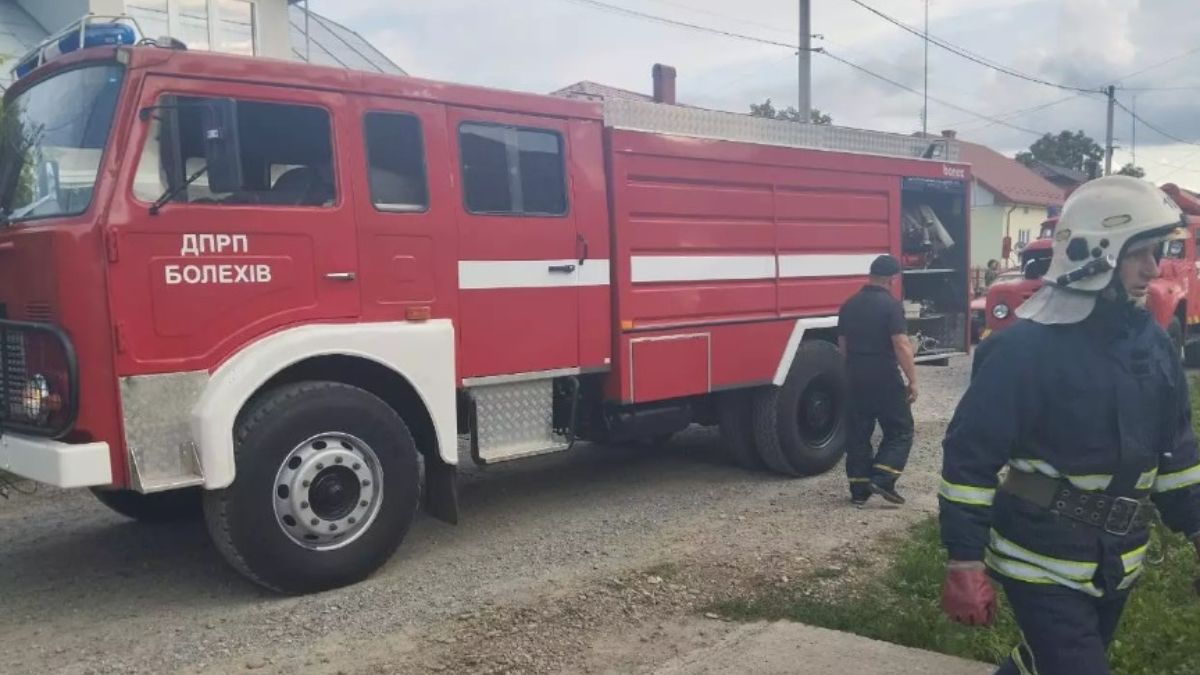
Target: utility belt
{"x":1114,"y":514}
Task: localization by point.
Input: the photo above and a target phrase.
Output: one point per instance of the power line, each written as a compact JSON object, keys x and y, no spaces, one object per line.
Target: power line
{"x":907,"y":88}
{"x":970,"y":56}
{"x":1022,"y":111}
{"x":1160,"y":64}
{"x":604,"y":6}
{"x":1158,"y":130}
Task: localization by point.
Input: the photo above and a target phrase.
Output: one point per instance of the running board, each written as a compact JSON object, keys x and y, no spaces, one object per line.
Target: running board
{"x":513,"y":420}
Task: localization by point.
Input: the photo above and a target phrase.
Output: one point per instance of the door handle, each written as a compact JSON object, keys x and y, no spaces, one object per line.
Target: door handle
{"x":340,"y":276}
{"x":562,"y":269}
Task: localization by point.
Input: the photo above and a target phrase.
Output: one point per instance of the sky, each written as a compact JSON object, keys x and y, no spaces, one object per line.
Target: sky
{"x":1147,"y":48}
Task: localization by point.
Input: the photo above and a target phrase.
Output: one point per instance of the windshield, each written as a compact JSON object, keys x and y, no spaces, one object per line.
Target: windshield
{"x":51,"y":139}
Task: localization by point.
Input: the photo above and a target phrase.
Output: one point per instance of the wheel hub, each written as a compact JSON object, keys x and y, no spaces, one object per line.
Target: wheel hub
{"x":818,"y":412}
{"x":328,"y":491}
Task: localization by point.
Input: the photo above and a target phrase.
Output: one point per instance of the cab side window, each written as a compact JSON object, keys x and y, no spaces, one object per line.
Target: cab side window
{"x":396,"y":162}
{"x":512,"y":171}
{"x":286,"y":155}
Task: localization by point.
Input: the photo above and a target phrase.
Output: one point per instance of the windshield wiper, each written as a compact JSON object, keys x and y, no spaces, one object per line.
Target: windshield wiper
{"x":171,"y":192}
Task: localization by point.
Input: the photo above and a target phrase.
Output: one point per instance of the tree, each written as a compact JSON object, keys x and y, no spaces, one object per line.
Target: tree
{"x":1131,"y":170}
{"x":1071,"y":150}
{"x":767,"y":109}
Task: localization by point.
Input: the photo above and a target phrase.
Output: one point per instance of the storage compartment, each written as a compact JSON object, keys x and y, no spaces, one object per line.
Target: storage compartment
{"x":934,"y":243}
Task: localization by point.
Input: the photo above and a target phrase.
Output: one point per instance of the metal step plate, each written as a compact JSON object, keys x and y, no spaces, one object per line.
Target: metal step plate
{"x":514,"y":420}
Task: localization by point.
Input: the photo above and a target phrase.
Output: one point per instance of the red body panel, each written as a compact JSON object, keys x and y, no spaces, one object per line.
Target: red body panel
{"x":737,"y":203}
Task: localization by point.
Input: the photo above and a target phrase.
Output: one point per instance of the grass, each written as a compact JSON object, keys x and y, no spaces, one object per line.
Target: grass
{"x":1158,"y":633}
{"x":1157,"y":636}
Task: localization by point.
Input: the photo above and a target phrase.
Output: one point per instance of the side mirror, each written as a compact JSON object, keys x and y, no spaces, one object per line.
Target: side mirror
{"x":222,"y":145}
{"x":48,"y":183}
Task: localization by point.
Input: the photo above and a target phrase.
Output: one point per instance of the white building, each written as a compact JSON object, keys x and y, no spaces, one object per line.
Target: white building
{"x":272,"y":28}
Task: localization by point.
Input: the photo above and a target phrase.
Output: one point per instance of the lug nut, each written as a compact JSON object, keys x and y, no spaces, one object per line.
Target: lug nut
{"x":352,"y":520}
{"x":315,"y":522}
{"x":306,"y":483}
{"x":304,"y":505}
{"x":320,"y":466}
{"x":356,"y":466}
{"x":332,"y":527}
{"x":337,"y":460}
{"x":363,"y":503}
{"x":366,"y":483}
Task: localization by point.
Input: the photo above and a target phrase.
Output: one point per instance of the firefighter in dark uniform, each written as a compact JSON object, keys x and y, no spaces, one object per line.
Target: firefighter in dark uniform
{"x":876,"y":346}
{"x":1084,"y":405}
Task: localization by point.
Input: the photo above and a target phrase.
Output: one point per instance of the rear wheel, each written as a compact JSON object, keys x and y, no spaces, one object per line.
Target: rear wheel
{"x":800,"y":428}
{"x":735,"y":416}
{"x":156,"y":507}
{"x":327,"y":486}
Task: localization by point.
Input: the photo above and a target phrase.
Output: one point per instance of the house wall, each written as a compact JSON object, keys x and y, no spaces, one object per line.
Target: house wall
{"x":989,"y":224}
{"x":273,"y":33}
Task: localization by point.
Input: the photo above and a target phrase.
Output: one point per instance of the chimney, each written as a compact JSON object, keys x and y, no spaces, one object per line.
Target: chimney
{"x":949,"y":133}
{"x":664,"y":84}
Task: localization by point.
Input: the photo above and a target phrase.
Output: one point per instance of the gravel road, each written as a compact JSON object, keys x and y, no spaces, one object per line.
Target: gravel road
{"x":565,"y":563}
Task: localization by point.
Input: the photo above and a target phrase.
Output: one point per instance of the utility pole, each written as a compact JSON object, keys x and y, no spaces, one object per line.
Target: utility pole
{"x":925,"y":107}
{"x":805,"y":57}
{"x":1108,"y":146}
{"x":1133,"y":131}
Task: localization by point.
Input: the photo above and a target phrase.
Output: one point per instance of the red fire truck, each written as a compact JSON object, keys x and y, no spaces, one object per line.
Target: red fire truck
{"x":289,"y":292}
{"x":1173,"y":298}
{"x":1010,"y":290}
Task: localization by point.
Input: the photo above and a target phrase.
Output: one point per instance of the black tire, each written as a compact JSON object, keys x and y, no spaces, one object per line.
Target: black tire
{"x":736,"y":420}
{"x":1191,"y":354}
{"x":157,"y":507}
{"x":243,"y":521}
{"x":1175,"y":332}
{"x":816,"y":381}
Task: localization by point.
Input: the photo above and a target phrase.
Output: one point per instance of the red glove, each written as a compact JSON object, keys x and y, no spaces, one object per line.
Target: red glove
{"x":967,"y":595}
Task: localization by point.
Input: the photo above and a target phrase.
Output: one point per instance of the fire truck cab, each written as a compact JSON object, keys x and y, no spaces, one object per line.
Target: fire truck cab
{"x":293,"y":293}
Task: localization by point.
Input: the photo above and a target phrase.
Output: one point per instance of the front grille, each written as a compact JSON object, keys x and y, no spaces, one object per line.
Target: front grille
{"x":39,"y":311}
{"x":38,"y":379}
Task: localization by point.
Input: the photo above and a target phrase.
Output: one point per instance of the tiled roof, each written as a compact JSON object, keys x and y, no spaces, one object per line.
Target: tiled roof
{"x":1010,"y":180}
{"x":594,"y":91}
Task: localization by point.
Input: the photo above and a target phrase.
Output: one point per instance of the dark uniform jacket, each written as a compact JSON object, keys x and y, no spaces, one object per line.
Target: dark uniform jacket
{"x":1103,"y":404}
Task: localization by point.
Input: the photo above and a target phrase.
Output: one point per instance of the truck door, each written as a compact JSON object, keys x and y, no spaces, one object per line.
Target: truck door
{"x":212,"y":271}
{"x":520,"y":256}
{"x":407,"y":209}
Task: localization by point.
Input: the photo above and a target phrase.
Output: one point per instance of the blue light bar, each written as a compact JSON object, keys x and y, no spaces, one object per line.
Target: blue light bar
{"x":90,"y":32}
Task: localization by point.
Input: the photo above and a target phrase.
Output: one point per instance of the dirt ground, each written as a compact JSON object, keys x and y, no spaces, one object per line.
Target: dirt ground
{"x":601,"y":560}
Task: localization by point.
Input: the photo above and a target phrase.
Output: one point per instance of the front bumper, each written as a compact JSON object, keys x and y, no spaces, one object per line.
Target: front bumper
{"x":55,"y":463}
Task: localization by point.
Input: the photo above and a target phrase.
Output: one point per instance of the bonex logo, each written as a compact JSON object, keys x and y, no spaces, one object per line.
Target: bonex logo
{"x":953,"y":171}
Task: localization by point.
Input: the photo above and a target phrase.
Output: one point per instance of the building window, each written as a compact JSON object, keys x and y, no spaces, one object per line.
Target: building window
{"x":396,"y":162}
{"x":286,"y":155}
{"x":512,"y":171}
{"x":219,"y":25}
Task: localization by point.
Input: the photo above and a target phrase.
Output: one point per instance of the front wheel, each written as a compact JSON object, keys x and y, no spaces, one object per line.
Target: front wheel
{"x":327,"y":485}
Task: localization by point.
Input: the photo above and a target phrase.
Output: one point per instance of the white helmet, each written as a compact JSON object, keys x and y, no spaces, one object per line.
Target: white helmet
{"x":1101,"y":221}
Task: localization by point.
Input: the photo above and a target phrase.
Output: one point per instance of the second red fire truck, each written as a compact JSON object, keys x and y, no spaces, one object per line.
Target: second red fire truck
{"x":289,"y":292}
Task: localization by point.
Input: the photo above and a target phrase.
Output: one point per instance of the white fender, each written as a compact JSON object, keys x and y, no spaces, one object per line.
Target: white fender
{"x":422,"y":353}
{"x":793,"y":343}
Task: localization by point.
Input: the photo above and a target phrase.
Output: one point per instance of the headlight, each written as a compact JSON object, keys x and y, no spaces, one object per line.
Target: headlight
{"x":34,"y":398}
{"x":1000,"y":311}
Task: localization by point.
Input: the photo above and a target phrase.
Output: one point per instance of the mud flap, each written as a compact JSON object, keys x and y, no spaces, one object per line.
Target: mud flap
{"x":441,"y":491}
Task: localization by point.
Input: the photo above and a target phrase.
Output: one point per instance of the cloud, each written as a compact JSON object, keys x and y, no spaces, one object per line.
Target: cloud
{"x":541,"y":45}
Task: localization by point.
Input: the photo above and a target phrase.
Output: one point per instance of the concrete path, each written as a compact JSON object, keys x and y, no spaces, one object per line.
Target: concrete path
{"x":791,"y":648}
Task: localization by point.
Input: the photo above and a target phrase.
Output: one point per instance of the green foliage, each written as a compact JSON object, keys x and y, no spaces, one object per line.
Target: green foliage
{"x":767,"y":109}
